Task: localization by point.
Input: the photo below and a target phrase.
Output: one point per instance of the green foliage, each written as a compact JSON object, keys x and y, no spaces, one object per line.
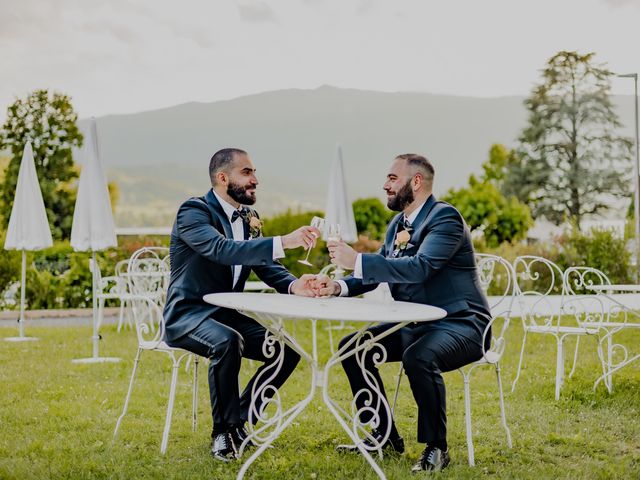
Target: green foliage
{"x":286,"y":223}
{"x":371,"y":217}
{"x":49,"y":122}
{"x":486,"y":209}
{"x":572,"y":162}
{"x":598,"y":248}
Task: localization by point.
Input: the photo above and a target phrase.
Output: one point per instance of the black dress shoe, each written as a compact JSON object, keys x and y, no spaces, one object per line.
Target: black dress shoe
{"x":222,"y":447}
{"x":391,"y":445}
{"x":239,"y":435}
{"x":432,"y":460}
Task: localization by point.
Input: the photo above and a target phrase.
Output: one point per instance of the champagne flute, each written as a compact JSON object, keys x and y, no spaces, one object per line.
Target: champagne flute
{"x":316,"y":222}
{"x":334,"y":235}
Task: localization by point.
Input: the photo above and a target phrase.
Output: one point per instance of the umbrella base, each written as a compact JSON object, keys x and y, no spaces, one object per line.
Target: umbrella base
{"x":96,"y":360}
{"x":21,"y":339}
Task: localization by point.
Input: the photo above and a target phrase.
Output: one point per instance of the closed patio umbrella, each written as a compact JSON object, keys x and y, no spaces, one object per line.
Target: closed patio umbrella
{"x":93,"y":228}
{"x":339,"y":209}
{"x":28,"y":224}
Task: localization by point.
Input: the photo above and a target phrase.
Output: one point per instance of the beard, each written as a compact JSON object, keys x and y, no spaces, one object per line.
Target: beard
{"x":240,"y":194}
{"x":402,"y":198}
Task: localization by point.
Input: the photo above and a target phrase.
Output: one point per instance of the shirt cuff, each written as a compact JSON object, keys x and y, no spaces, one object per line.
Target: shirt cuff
{"x":289,"y":288}
{"x":278,"y":251}
{"x":357,"y":271}
{"x":344,"y":290}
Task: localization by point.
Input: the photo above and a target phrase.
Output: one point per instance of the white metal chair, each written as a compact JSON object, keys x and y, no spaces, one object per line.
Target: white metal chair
{"x":114,"y":287}
{"x":541,"y":296}
{"x":602,"y":315}
{"x":147,"y":274}
{"x":496,"y":278}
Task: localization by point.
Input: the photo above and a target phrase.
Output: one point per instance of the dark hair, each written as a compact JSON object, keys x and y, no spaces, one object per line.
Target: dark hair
{"x":221,"y":160}
{"x":421,"y":163}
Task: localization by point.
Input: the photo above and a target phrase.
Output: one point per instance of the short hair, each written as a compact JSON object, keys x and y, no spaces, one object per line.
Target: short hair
{"x":421,"y":163}
{"x":221,"y":160}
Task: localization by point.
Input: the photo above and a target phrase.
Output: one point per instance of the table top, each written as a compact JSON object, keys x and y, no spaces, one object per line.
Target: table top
{"x":614,"y":288}
{"x":332,"y":308}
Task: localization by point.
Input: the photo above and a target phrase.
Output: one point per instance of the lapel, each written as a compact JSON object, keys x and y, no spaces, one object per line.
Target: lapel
{"x":218,"y":212}
{"x":420,"y":222}
{"x":389,"y":244}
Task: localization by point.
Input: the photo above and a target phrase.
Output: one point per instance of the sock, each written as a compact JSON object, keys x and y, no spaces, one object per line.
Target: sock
{"x":219,"y":428}
{"x":441,"y":444}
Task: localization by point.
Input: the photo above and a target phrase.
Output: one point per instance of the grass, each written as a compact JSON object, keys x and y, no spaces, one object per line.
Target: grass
{"x":57,"y":418}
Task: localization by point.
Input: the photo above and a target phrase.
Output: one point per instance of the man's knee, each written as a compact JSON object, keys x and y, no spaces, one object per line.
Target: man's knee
{"x":231,"y":342}
{"x":414,"y":358}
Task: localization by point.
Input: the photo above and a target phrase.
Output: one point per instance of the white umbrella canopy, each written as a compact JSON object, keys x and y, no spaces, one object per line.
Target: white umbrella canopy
{"x":339,"y":209}
{"x":93,"y":227}
{"x":28,"y":225}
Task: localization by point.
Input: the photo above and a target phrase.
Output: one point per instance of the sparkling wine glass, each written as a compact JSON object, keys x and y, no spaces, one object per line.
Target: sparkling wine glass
{"x":318,"y":223}
{"x":334,"y":235}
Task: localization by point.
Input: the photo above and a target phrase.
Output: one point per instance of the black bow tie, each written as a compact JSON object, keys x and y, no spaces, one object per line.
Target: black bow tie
{"x":242,"y":213}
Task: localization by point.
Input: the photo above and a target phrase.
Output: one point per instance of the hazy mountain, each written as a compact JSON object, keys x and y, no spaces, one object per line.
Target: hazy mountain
{"x":159,"y":158}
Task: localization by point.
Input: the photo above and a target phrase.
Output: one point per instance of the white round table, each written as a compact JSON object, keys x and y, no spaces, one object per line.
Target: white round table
{"x":270,"y":310}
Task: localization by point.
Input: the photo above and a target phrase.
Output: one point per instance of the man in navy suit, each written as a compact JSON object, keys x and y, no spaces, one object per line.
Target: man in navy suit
{"x":215,"y":243}
{"x":428,"y":258}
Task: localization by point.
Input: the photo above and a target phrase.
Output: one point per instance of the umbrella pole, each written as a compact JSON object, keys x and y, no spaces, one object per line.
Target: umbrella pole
{"x":96,"y":336}
{"x":22,"y":292}
{"x":95,"y":339}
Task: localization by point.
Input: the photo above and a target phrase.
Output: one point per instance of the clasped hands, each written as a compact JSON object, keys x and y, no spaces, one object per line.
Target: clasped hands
{"x":309,"y":285}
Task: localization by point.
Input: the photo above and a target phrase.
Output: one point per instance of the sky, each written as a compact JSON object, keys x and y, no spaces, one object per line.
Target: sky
{"x":123,"y":56}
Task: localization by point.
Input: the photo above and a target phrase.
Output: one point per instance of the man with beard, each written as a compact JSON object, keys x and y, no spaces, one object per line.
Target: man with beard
{"x":428,"y":258}
{"x":212,"y":251}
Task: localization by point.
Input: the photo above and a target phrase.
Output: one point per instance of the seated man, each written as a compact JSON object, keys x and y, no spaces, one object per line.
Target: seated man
{"x":428,"y":258}
{"x":215,"y":243}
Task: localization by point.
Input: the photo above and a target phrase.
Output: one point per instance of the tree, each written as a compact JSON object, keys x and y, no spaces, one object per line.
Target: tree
{"x":572,"y":162}
{"x":371,"y":217}
{"x":49,"y":122}
{"x":485,"y":208}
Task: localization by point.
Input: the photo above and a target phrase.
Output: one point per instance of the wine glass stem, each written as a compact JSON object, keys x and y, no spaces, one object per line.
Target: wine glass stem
{"x":306,"y":259}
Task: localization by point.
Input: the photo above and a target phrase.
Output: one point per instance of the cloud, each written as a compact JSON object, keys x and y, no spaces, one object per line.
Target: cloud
{"x":256,"y":12}
{"x":622,"y":3}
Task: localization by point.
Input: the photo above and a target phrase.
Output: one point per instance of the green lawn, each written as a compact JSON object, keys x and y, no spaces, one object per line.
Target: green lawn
{"x":57,"y":418}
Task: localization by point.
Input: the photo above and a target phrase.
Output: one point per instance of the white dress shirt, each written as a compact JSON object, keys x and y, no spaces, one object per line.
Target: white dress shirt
{"x":238,"y":234}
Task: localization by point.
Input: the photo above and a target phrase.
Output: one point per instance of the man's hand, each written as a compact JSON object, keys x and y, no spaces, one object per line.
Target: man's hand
{"x":302,"y":237}
{"x":342,"y":255}
{"x":325,"y":287}
{"x":305,"y":286}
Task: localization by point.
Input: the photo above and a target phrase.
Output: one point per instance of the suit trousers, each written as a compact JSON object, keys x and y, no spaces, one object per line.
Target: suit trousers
{"x":426,"y":351}
{"x":224,"y":341}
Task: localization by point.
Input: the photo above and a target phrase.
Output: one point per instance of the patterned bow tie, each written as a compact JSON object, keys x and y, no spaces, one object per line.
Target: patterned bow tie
{"x":405,"y":225}
{"x":242,"y":213}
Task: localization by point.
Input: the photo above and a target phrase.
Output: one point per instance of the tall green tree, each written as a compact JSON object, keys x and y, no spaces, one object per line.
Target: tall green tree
{"x":485,"y":208}
{"x":49,"y":122}
{"x":572,"y":162}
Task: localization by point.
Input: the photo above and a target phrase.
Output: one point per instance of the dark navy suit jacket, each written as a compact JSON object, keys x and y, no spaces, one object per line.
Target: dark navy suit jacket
{"x":202,"y":254}
{"x":438,"y":268}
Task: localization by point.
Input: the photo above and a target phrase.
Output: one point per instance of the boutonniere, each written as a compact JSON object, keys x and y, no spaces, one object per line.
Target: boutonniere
{"x":255,"y":225}
{"x":402,"y":242}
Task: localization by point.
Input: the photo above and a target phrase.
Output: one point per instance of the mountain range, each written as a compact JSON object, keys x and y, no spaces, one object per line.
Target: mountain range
{"x":159,"y":158}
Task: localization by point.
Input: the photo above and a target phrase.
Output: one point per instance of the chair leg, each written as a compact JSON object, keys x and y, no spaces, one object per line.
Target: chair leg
{"x":559,"y":366}
{"x":395,"y":395}
{"x":503,"y":415}
{"x":467,"y":416}
{"x":195,"y":393}
{"x":332,"y":350}
{"x":128,"y":397}
{"x":121,"y":316}
{"x":515,"y":380}
{"x":608,"y":381}
{"x":604,"y":363}
{"x":575,"y":357}
{"x":172,"y":396}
